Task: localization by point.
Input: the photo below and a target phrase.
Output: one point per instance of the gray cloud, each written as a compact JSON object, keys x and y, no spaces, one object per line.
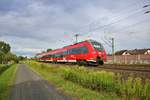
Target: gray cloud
{"x":41,"y":24}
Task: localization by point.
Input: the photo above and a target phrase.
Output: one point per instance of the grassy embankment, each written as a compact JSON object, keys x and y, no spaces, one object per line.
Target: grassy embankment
{"x":54,"y":75}
{"x":3,"y":67}
{"x":6,"y":80}
{"x":93,"y":85}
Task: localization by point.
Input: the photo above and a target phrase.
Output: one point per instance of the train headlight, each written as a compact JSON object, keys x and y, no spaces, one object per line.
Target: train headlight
{"x":94,"y":52}
{"x":99,"y":53}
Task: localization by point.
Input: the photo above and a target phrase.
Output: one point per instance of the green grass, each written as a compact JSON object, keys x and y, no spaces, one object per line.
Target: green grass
{"x":3,"y":68}
{"x":108,"y":82}
{"x":78,"y":92}
{"x":85,"y":85}
{"x":6,"y":80}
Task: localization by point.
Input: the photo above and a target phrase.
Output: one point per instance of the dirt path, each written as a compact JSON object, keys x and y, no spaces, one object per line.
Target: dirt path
{"x":29,"y":86}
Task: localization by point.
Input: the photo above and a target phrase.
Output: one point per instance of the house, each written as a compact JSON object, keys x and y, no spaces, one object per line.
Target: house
{"x":139,"y":51}
{"x":133,"y":52}
{"x":147,"y":52}
{"x":122,"y":52}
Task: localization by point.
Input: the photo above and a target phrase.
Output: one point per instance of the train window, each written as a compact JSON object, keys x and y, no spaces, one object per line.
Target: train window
{"x":45,"y":57}
{"x":70,"y":51}
{"x":49,"y":55}
{"x":65,"y":53}
{"x":80,"y":50}
{"x":54,"y":55}
{"x":61,"y":54}
{"x":97,"y":46}
{"x":57,"y":55}
{"x":74,"y":51}
{"x":84,"y":50}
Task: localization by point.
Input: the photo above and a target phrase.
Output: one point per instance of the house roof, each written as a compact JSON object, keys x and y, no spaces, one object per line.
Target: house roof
{"x":132,"y":52}
{"x":120,"y":52}
{"x":137,"y":51}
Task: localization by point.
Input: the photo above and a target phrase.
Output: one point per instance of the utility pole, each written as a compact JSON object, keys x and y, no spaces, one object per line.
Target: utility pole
{"x":76,"y":36}
{"x":112,"y":39}
{"x":113,"y":49}
{"x":111,"y":43}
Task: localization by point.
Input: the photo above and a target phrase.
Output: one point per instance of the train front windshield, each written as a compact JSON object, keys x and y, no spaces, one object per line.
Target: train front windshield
{"x":97,"y":46}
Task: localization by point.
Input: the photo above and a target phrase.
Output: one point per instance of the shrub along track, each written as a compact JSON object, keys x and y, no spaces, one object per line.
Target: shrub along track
{"x":142,"y":71}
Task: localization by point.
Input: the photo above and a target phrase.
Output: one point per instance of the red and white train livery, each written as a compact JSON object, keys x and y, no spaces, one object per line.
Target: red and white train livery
{"x":86,"y":52}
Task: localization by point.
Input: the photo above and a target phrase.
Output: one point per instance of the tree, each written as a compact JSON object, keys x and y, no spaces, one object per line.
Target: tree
{"x":5,"y":54}
{"x":49,"y":50}
{"x":4,"y":47}
{"x":1,"y":56}
{"x":22,"y":58}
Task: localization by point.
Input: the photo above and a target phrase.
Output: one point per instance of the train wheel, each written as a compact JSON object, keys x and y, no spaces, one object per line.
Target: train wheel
{"x":99,"y":61}
{"x":79,"y":62}
{"x":82,"y":63}
{"x":54,"y":62}
{"x":85,"y":63}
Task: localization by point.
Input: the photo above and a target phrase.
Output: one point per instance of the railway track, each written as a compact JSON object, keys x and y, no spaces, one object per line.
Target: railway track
{"x":126,"y":68}
{"x":134,"y":68}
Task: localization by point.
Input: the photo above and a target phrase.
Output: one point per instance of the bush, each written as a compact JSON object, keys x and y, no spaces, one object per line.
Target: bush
{"x":95,"y":80}
{"x":108,"y":82}
{"x":3,"y":68}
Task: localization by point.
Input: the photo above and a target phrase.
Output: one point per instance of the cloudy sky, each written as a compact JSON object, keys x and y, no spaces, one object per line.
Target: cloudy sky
{"x":31,"y":26}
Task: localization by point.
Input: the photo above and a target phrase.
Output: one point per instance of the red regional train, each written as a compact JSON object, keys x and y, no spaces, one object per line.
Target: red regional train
{"x":86,"y":52}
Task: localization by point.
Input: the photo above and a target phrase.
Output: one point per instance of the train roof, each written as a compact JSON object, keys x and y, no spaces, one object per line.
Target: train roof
{"x":90,"y":40}
{"x":65,"y":47}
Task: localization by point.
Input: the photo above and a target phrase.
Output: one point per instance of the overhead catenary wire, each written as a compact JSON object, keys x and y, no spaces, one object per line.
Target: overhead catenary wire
{"x":107,"y":42}
{"x":134,"y":25}
{"x":118,"y":12}
{"x":122,"y":27}
{"x":116,"y":17}
{"x":117,"y":21}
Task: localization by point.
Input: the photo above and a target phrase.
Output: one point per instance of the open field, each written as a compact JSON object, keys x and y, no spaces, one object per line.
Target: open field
{"x":106,"y":83}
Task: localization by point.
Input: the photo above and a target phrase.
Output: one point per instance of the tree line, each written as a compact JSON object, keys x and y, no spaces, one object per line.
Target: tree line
{"x":6,"y":55}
